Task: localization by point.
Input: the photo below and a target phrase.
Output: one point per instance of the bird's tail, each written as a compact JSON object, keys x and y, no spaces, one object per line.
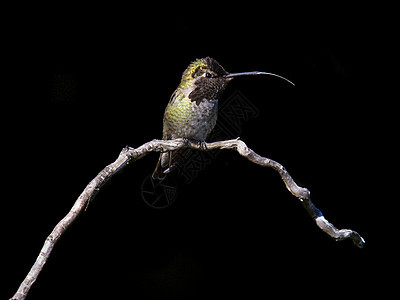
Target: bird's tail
{"x":168,"y":161}
{"x":163,"y":166}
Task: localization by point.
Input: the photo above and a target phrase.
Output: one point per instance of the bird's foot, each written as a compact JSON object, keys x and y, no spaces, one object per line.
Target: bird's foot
{"x":186,"y":141}
{"x":202,"y":144}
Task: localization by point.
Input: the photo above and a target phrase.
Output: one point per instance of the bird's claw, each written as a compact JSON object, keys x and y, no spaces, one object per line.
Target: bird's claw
{"x":202,"y":144}
{"x":186,"y":141}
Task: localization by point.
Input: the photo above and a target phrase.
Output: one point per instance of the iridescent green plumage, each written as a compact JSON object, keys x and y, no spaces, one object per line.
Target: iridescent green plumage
{"x":192,"y":110}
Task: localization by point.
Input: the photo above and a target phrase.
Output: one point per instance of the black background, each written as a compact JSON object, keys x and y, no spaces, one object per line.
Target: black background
{"x":84,"y":85}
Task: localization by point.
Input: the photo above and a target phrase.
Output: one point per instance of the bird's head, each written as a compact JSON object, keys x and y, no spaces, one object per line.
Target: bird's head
{"x":205,"y":78}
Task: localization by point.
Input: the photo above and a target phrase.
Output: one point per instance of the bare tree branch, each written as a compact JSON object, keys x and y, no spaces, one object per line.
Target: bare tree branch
{"x":129,"y":155}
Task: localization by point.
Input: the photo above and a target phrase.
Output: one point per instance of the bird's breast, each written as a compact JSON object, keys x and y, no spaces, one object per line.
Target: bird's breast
{"x":186,"y":118}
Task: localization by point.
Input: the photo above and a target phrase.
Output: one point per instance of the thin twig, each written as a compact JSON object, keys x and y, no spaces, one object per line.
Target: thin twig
{"x":128,"y":155}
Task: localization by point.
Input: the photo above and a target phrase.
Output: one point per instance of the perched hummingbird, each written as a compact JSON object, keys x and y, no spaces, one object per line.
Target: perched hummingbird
{"x":193,"y":107}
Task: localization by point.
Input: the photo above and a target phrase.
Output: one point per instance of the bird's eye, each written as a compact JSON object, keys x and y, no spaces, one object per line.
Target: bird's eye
{"x":208,"y":75}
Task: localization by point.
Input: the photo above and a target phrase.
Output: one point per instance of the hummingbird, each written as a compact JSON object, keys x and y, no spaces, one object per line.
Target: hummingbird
{"x":193,"y":107}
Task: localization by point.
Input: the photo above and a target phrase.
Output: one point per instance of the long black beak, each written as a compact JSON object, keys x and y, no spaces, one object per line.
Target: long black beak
{"x":231,"y":75}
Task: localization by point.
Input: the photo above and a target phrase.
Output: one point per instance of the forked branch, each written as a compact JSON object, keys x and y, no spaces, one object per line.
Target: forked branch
{"x":129,"y":155}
